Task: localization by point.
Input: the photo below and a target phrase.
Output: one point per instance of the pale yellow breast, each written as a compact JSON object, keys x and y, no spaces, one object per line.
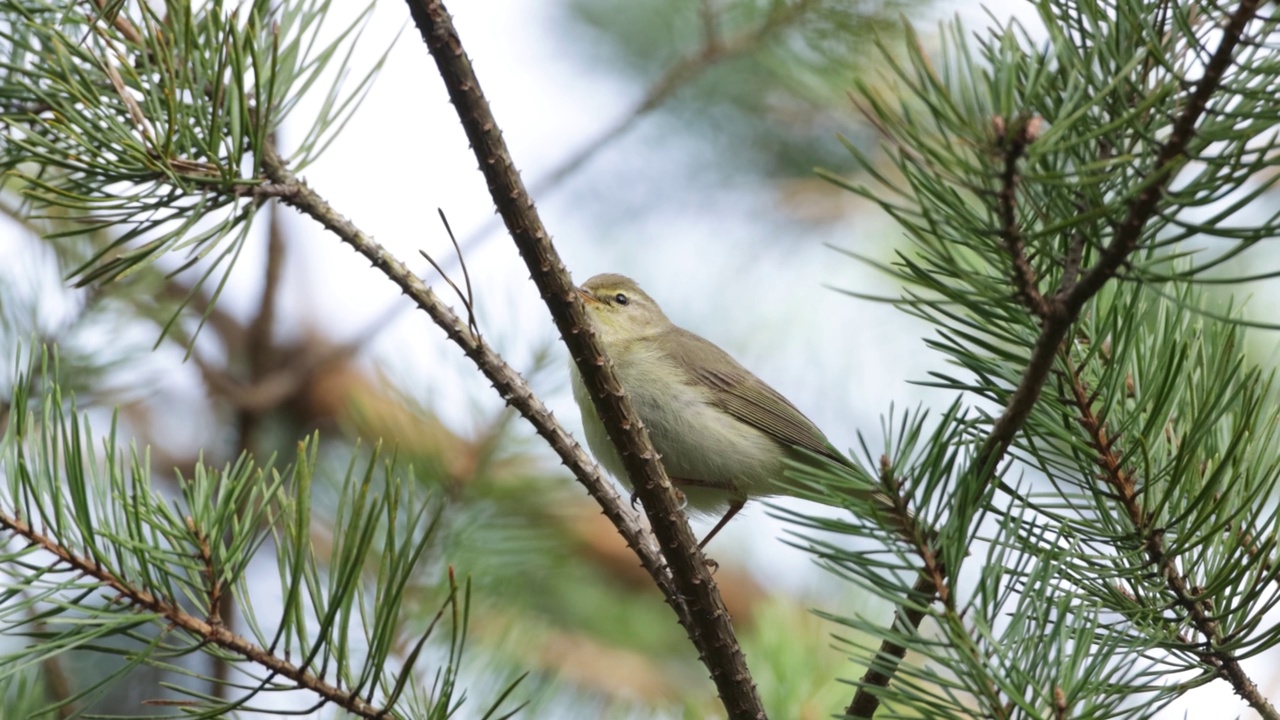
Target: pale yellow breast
{"x":696,"y":440}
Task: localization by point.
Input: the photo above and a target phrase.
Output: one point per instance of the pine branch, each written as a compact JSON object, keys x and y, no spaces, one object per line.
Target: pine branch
{"x":208,"y":631}
{"x":139,"y":128}
{"x":510,"y":385}
{"x":711,"y":629}
{"x":715,"y":49}
{"x":1015,"y":143}
{"x":119,"y":21}
{"x":918,"y":535}
{"x":867,"y":700}
{"x":1144,"y":205}
{"x":1125,"y":486}
{"x":1058,"y":314}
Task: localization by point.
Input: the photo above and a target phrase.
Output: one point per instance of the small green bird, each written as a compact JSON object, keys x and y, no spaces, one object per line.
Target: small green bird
{"x":723,"y":434}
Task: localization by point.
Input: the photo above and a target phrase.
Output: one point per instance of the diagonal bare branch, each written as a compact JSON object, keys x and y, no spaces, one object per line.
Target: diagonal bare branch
{"x":711,"y":629}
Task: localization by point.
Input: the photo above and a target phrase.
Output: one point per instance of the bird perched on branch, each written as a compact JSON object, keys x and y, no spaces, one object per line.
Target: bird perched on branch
{"x":722,"y":433}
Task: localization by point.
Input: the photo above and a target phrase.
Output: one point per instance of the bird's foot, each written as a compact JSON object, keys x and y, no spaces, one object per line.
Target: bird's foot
{"x":682,"y":500}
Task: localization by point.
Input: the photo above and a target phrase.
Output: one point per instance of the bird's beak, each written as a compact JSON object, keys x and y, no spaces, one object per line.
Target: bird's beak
{"x":586,"y":296}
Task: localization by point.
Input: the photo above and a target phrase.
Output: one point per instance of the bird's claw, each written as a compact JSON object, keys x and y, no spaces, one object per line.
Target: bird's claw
{"x":681,"y":498}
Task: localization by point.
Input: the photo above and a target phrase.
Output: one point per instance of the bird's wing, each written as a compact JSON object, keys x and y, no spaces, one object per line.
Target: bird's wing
{"x":746,"y":397}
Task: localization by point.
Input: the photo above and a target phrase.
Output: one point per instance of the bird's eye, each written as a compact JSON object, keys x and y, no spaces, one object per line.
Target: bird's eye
{"x":621,"y":299}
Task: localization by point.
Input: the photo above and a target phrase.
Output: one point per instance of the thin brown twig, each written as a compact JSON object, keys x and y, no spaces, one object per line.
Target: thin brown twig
{"x":470,"y":298}
{"x":711,"y":629}
{"x":921,"y":539}
{"x":1198,"y":609}
{"x":509,"y":384}
{"x":715,"y":49}
{"x":467,"y":298}
{"x":1065,"y":306}
{"x":884,"y":664}
{"x":119,"y":22}
{"x":929,"y":586}
{"x":213,"y":588}
{"x":1013,"y":142}
{"x":178,"y":618}
{"x":466,"y":303}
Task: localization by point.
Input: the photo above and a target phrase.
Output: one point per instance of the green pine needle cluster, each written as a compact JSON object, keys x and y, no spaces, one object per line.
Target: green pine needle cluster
{"x":99,"y":560}
{"x":1103,"y":489}
{"x":154,"y":130}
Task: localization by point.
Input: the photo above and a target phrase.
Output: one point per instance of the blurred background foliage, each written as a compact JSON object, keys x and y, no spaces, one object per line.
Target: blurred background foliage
{"x":761,"y":85}
{"x":732,"y":105}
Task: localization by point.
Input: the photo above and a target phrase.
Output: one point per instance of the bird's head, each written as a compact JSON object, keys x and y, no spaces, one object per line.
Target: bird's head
{"x":620,"y":309}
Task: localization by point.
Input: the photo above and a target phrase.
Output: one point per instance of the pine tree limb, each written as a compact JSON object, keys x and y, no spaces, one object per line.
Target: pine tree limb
{"x":877,"y":677}
{"x":210,"y":633}
{"x":711,"y":629}
{"x":119,"y":21}
{"x":715,"y":49}
{"x":1014,"y":141}
{"x":1168,"y":161}
{"x":1065,"y":306}
{"x":1198,"y":611}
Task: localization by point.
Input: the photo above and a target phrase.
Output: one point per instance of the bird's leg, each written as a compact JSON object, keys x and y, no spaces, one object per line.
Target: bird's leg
{"x":734,"y":507}
{"x":735,"y":504}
